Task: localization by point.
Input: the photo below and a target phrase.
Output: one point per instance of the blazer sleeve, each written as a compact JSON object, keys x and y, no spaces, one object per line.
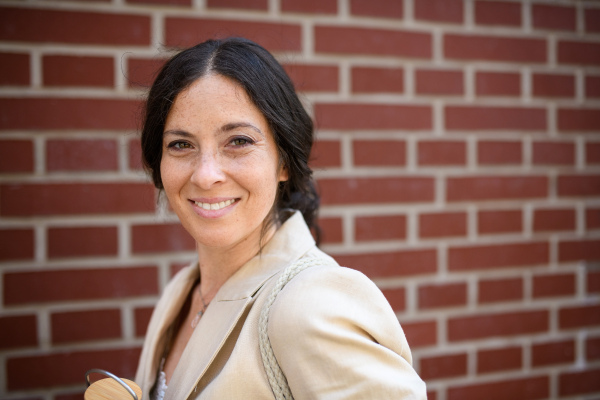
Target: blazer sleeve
{"x":335,"y":336}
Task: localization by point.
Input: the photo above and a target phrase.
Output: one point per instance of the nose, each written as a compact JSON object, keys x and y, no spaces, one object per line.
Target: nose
{"x":208,"y":170}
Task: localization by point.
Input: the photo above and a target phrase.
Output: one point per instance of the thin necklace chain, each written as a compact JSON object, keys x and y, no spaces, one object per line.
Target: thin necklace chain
{"x":201,"y":312}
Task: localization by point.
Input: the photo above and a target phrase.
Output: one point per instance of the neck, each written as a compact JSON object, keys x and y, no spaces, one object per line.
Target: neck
{"x":218,"y":264}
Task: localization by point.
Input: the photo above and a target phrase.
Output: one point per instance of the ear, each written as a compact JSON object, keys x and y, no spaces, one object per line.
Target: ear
{"x":283,"y":174}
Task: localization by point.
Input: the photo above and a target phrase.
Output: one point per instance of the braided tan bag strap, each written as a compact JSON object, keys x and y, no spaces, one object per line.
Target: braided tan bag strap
{"x":277,"y":380}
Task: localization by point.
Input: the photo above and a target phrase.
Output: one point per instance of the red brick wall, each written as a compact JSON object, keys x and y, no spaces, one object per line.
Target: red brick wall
{"x":458,"y":159}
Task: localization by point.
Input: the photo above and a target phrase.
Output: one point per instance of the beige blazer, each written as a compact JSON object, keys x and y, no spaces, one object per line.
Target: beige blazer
{"x":333,"y":333}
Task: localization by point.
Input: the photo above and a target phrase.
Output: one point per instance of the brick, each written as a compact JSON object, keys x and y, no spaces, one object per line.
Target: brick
{"x":593,"y":282}
{"x":376,"y":42}
{"x":83,"y":326}
{"x":592,"y":20}
{"x":553,"y":85}
{"x":579,"y":382}
{"x":16,"y":156}
{"x":497,"y":325}
{"x":554,"y":220}
{"x":332,"y":230}
{"x":442,"y":152}
{"x":494,"y":48}
{"x":135,"y":154}
{"x":82,"y":241}
{"x":551,"y":353}
{"x":376,"y":190}
{"x":592,"y":86}
{"x":554,"y":153}
{"x":420,"y":333}
{"x":385,"y":153}
{"x":141,"y":317}
{"x":479,"y":188}
{"x":442,"y":224}
{"x":380,"y":227}
{"x":396,"y":263}
{"x":467,"y":258}
{"x":326,"y":153}
{"x":73,"y":27}
{"x":555,"y":285}
{"x":15,"y":69}
{"x":186,"y":32}
{"x":442,"y":295}
{"x":592,"y":218}
{"x":495,"y":118}
{"x":497,"y":84}
{"x":592,"y":348}
{"x":16,"y":244}
{"x":592,"y":153}
{"x":62,"y":70}
{"x":18,"y":331}
{"x":530,"y":388}
{"x":444,"y":366}
{"x":396,"y":297}
{"x":501,"y":359}
{"x":259,"y":5}
{"x":41,"y":286}
{"x":377,"y":8}
{"x":75,"y":198}
{"x":499,"y":221}
{"x":81,"y":155}
{"x":310,"y":6}
{"x":578,"y":185}
{"x":165,"y":2}
{"x":498,"y":13}
{"x":574,"y":250}
{"x":579,"y":316}
{"x":491,"y":152}
{"x":377,"y":80}
{"x":66,"y":368}
{"x":439,"y":82}
{"x":450,"y":11}
{"x":160,"y":238}
{"x":68,"y":113}
{"x":78,"y":395}
{"x":313,"y":78}
{"x":142,"y":72}
{"x":581,"y":120}
{"x":575,"y":52}
{"x":353,"y":116}
{"x":499,"y":290}
{"x":545,"y":16}
{"x":175,"y":268}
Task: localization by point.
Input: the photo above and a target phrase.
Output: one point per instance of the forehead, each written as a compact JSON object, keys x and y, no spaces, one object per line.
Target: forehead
{"x":213,"y":103}
{"x":213,"y":98}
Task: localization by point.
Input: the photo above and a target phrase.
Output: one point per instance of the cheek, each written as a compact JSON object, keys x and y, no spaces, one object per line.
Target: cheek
{"x":170,"y":178}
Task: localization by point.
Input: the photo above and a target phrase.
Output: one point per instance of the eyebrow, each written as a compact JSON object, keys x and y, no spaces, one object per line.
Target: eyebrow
{"x":234,"y":125}
{"x":225,"y":128}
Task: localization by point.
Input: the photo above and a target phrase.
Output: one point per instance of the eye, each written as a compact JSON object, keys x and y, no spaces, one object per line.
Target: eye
{"x":241,"y":141}
{"x":179,"y":145}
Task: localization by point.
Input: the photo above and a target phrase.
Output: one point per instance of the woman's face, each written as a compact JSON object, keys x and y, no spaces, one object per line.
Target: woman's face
{"x":220,"y":166}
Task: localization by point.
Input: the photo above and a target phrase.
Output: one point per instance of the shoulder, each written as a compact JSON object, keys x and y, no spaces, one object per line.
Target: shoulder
{"x":328,"y":299}
{"x":334,"y":335}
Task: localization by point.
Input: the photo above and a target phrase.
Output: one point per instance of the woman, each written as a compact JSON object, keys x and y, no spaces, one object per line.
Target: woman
{"x":227,"y":139}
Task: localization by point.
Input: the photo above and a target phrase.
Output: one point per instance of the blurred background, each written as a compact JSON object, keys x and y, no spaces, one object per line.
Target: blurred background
{"x":458,"y":158}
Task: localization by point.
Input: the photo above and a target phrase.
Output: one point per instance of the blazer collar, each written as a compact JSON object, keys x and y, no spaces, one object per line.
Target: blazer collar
{"x":291,"y":241}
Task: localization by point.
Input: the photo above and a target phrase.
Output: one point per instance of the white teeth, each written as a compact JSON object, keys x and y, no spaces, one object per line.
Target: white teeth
{"x":215,"y":206}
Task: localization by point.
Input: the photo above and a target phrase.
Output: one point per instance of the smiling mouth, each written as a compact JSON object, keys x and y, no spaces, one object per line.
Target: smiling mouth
{"x":215,"y":206}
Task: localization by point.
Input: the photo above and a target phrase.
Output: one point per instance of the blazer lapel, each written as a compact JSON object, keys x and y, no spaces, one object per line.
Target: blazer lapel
{"x":165,"y":313}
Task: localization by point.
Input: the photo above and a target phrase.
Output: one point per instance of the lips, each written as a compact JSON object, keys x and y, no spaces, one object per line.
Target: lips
{"x":214,"y":206}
